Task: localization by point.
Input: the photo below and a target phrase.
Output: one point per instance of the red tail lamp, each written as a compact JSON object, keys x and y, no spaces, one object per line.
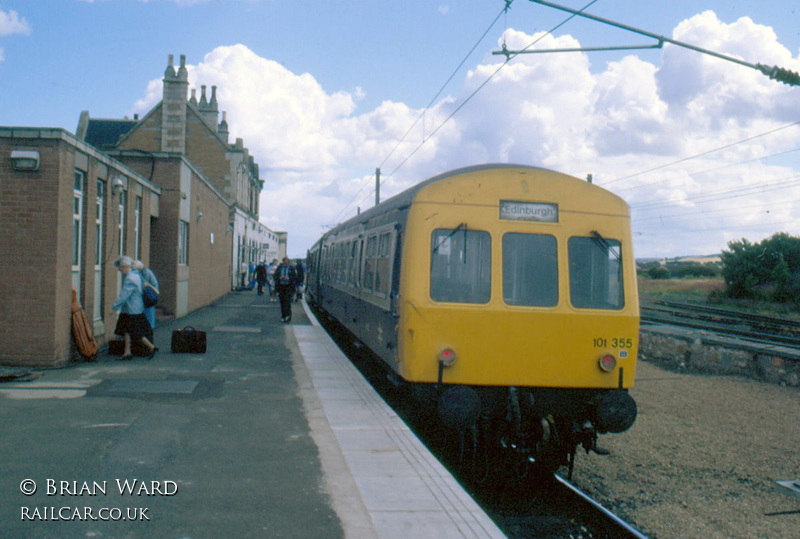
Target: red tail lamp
{"x":447,"y":357}
{"x":607,"y":362}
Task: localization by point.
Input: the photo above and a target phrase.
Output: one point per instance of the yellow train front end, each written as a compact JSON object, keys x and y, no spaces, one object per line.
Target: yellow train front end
{"x":521,"y":278}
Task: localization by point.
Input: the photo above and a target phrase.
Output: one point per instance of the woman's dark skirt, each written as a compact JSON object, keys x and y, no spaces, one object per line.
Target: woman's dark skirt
{"x":134,"y":324}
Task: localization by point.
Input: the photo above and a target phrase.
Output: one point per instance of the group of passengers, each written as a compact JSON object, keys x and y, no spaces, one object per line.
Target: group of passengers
{"x":136,"y":320}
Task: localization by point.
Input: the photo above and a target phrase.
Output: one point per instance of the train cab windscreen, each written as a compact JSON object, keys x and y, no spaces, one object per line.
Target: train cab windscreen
{"x":460,"y":265}
{"x":595,"y":273}
{"x":530,"y":270}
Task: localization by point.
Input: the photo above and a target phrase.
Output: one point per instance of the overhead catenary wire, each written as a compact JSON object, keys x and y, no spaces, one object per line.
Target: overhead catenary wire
{"x":701,"y":154}
{"x":704,"y":213}
{"x":750,"y":190}
{"x":722,"y":194}
{"x":703,"y":172}
{"x":773,"y":72}
{"x":483,"y":85}
{"x":447,"y":82}
{"x":472,"y":95}
{"x":710,"y":229}
{"x":502,"y":12}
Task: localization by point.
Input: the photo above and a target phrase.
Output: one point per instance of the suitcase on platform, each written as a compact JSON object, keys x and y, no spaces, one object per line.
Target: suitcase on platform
{"x":188,"y":341}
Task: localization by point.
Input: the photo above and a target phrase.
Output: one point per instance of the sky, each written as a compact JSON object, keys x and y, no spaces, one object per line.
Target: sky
{"x":705,"y":150}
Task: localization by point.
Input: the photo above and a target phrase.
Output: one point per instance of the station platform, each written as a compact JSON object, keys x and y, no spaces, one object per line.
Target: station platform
{"x":270,"y":433}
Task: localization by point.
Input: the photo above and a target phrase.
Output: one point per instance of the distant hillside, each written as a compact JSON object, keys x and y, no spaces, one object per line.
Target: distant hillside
{"x":696,"y":259}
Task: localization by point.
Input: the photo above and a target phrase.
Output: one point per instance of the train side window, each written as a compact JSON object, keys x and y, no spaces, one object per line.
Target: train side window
{"x":595,"y":273}
{"x":349,"y":246}
{"x":337,"y":263}
{"x":369,"y":262}
{"x":323,"y":265}
{"x":530,"y":270}
{"x":355,"y":249}
{"x":460,"y":266}
{"x":382,"y":265}
{"x":341,"y":264}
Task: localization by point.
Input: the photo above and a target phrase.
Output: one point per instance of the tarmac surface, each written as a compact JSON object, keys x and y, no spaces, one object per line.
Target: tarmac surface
{"x":270,"y":433}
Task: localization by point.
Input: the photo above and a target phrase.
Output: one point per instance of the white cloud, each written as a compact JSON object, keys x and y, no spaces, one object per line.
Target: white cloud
{"x":318,"y":152}
{"x":11,"y":23}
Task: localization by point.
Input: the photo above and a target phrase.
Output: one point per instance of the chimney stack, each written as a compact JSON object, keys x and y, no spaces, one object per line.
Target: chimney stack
{"x":173,"y":108}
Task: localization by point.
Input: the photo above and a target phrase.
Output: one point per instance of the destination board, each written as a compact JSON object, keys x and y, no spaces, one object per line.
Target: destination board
{"x":542,"y":212}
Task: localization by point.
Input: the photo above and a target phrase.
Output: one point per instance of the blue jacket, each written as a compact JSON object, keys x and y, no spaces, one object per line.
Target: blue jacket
{"x":130,"y":297}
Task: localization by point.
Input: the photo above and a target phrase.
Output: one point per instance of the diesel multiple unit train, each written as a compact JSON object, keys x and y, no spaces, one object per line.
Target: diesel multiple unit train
{"x":502,"y":295}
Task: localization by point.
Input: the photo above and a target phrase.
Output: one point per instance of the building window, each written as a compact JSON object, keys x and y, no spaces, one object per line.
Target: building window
{"x":137,"y":228}
{"x":121,"y":226}
{"x":77,"y":219}
{"x":183,"y":243}
{"x":99,"y":289}
{"x":77,"y":230}
{"x":98,"y":222}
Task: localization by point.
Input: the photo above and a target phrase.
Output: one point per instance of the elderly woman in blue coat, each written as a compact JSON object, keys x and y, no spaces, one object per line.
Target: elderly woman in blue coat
{"x":132,"y":323}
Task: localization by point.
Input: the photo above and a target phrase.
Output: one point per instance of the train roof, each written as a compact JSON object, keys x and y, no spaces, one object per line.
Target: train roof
{"x":405,"y":198}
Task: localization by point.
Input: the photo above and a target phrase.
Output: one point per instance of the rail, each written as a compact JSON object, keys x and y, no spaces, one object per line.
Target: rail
{"x":746,"y":326}
{"x":614,"y":525}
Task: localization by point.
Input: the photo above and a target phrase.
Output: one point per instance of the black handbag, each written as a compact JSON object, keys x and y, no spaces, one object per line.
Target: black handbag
{"x":149,"y":295}
{"x":188,"y":340}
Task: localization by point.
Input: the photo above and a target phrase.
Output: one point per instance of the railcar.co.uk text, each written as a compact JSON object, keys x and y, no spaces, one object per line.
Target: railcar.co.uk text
{"x":129,"y":488}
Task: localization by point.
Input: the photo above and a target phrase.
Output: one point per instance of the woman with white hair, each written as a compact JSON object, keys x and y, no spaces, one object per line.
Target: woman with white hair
{"x":132,"y":322}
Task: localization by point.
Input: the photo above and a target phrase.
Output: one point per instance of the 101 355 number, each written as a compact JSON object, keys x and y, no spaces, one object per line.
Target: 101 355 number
{"x":614,"y":342}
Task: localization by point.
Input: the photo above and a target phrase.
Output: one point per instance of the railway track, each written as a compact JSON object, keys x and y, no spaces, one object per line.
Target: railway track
{"x":553,"y":508}
{"x":544,"y":506}
{"x":751,"y":327}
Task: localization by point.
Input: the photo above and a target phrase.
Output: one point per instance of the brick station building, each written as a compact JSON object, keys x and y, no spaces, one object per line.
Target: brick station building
{"x":168,"y":190}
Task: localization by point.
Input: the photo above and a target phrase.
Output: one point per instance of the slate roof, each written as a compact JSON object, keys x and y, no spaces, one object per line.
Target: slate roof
{"x":105,"y":134}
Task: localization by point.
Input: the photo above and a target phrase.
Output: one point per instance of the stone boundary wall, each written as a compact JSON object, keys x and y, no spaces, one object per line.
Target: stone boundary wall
{"x":707,"y":353}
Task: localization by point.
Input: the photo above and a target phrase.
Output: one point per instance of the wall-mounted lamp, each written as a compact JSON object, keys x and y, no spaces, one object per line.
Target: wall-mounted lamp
{"x":199,"y":216}
{"x":25,"y":160}
{"x":117,"y":185}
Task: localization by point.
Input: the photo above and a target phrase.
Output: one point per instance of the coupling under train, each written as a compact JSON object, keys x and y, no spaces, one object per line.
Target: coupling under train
{"x":502,"y":295}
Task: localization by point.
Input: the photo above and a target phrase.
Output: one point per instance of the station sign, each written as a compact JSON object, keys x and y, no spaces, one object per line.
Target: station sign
{"x":542,"y":212}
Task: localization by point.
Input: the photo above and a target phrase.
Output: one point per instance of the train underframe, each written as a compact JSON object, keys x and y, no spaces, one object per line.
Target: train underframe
{"x":530,"y":428}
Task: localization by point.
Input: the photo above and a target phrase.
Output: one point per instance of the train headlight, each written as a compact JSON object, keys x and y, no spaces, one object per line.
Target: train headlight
{"x":607,"y":362}
{"x":447,"y":357}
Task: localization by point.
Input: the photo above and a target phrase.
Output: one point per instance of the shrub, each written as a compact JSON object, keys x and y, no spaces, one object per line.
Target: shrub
{"x":769,"y":269}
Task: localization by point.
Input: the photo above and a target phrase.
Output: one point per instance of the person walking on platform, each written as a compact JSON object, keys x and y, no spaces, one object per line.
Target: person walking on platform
{"x":285,"y":283}
{"x":301,"y":277}
{"x":271,"y":278}
{"x":132,"y":323}
{"x":261,"y":277}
